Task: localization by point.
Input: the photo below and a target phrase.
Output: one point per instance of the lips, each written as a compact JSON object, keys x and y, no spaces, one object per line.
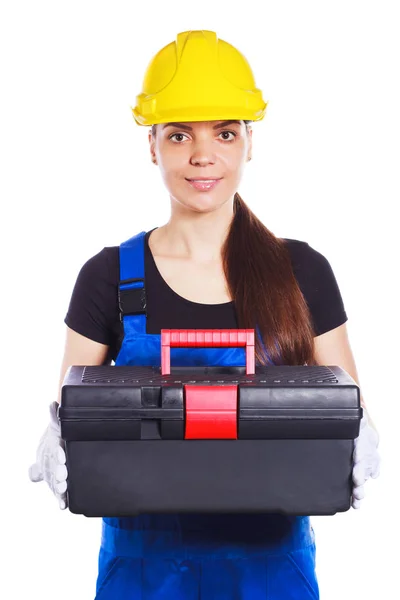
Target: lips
{"x":203,"y":184}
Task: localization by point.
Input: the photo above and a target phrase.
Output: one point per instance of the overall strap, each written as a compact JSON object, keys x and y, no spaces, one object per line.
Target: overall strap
{"x":131,"y":288}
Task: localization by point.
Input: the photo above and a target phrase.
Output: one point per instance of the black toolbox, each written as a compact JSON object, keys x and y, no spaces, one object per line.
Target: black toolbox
{"x":209,"y":439}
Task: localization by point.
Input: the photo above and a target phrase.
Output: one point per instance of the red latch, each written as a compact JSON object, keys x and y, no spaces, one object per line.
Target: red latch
{"x":211,"y":412}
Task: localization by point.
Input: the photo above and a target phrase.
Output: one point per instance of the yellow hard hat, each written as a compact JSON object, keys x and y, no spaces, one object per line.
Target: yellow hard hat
{"x":198,"y":78}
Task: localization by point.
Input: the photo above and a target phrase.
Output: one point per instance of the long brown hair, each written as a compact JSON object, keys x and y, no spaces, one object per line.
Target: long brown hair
{"x":264,"y":289}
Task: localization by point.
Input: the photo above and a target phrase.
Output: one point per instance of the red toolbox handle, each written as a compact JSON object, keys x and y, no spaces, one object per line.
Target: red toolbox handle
{"x":206,"y":338}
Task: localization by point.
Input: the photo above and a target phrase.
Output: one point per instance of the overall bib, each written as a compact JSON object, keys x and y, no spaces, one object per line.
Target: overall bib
{"x":198,"y":556}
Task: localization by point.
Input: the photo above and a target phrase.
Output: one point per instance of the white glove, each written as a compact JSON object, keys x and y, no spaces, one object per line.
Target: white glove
{"x":366,"y":459}
{"x":51,"y":459}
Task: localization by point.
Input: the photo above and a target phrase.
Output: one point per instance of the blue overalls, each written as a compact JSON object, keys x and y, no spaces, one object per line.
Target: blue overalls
{"x":198,"y":556}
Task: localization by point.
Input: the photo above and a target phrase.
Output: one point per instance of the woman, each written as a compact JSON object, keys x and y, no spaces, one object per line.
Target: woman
{"x":213,"y":265}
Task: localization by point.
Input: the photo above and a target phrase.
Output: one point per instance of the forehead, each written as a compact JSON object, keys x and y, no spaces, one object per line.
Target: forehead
{"x":190,"y":126}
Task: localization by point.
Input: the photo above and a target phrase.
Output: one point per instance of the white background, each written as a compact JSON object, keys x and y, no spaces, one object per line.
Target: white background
{"x":76,"y":176}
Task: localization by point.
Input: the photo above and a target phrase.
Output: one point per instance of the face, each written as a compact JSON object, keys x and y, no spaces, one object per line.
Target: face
{"x":203,"y":150}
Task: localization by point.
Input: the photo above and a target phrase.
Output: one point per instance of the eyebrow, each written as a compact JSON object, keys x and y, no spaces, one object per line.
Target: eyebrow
{"x":183,"y":126}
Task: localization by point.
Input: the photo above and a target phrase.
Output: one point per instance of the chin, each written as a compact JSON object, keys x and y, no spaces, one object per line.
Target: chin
{"x":202,"y":202}
{"x":202,"y":207}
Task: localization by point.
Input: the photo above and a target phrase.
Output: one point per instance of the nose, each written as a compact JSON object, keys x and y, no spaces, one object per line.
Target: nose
{"x":202,"y":153}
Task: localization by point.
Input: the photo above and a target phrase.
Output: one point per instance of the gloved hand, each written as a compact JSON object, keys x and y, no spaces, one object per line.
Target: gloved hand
{"x":51,"y":459}
{"x":366,"y":459}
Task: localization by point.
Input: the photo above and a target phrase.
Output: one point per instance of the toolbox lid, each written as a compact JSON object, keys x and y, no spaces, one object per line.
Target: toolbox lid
{"x":130,"y":402}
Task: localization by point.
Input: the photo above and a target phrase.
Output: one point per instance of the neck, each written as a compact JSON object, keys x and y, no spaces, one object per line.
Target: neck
{"x":198,"y":237}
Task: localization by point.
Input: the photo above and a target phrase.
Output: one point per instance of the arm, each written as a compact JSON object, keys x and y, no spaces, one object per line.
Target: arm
{"x":80,"y":350}
{"x":50,"y":455}
{"x":333,"y":348}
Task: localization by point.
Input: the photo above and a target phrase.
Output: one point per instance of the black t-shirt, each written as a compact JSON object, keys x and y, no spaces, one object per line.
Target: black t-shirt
{"x":93,"y":310}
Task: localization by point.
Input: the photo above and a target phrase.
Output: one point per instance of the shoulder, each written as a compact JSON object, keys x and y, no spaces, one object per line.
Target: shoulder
{"x":301,"y":249}
{"x":93,"y":307}
{"x":103,"y":266}
{"x":305,"y":259}
{"x":108,"y":255}
{"x":318,"y":284}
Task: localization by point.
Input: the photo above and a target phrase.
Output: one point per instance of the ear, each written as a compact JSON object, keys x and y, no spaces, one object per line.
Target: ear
{"x":250,"y":148}
{"x":152,"y":148}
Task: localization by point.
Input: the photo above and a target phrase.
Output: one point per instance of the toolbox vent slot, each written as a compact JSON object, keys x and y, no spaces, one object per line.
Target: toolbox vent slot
{"x":285,"y":374}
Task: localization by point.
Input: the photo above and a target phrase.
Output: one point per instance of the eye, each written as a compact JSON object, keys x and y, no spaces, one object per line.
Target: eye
{"x":232,"y":132}
{"x":174,"y":134}
{"x":222,"y":132}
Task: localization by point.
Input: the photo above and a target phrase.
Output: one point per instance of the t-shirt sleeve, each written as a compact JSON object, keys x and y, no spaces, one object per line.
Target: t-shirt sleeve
{"x":92,"y":307}
{"x":320,"y":288}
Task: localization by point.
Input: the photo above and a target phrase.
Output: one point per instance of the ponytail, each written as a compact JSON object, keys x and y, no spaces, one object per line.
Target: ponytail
{"x":265,"y":292}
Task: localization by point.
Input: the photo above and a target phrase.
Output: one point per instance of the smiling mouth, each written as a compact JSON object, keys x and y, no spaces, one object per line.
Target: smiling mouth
{"x":203,"y":185}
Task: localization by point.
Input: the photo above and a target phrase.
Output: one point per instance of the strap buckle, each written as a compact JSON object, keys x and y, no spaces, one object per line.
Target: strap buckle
{"x":131,"y":297}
